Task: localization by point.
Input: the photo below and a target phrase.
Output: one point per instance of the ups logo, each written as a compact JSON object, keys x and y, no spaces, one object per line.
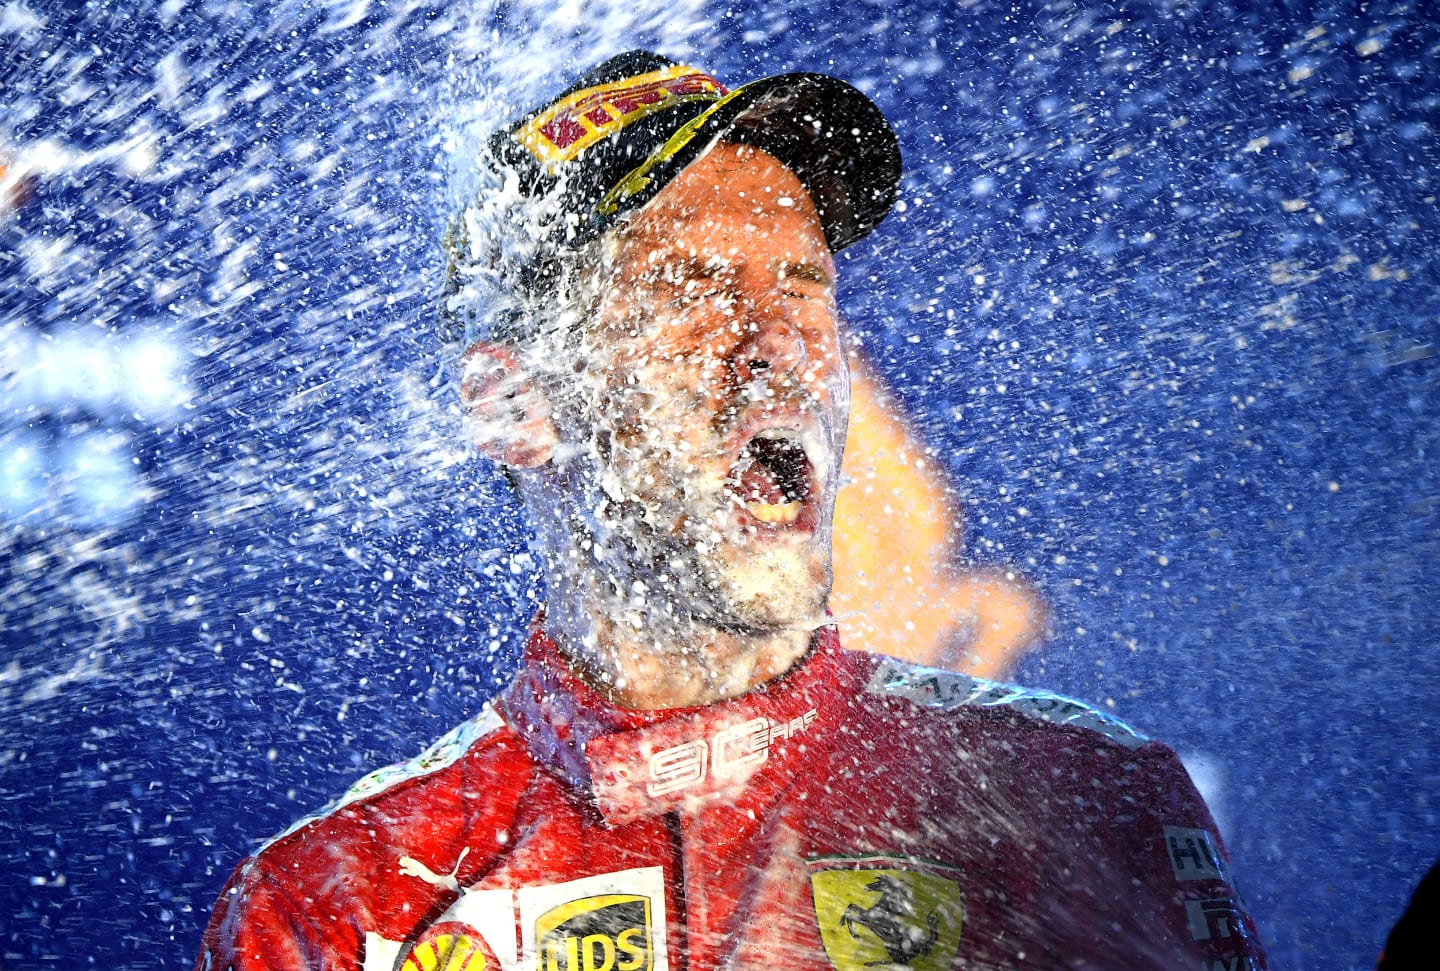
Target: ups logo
{"x":609,"y":932}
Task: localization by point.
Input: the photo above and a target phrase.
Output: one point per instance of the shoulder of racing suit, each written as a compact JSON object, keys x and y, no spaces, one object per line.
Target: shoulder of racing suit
{"x":444,"y":752}
{"x":947,"y":691}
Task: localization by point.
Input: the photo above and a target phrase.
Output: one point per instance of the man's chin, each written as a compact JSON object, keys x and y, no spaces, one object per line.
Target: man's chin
{"x":774,"y":593}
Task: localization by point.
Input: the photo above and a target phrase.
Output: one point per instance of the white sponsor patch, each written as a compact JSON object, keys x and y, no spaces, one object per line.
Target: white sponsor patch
{"x":1216,"y":918}
{"x":611,"y":922}
{"x":492,"y":913}
{"x":380,"y":954}
{"x":1194,"y":855}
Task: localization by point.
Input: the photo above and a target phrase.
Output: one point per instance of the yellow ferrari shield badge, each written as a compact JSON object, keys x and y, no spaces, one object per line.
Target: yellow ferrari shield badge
{"x":887,"y":912}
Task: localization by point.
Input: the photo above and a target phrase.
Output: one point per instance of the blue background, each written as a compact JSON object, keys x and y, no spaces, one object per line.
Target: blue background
{"x":1162,"y":293}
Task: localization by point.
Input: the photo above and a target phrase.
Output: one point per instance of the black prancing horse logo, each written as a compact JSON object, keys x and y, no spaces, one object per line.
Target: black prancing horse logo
{"x":892,"y":919}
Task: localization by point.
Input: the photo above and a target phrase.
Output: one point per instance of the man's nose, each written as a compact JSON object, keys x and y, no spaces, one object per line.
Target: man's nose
{"x":773,"y":344}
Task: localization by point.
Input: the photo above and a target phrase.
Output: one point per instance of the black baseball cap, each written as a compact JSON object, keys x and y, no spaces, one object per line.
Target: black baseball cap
{"x":613,"y":139}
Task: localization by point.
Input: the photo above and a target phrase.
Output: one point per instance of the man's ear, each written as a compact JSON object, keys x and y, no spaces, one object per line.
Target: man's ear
{"x":505,"y":413}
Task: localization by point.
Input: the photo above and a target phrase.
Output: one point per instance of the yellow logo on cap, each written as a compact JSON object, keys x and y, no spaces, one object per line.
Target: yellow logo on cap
{"x":573,"y":124}
{"x":887,"y":917}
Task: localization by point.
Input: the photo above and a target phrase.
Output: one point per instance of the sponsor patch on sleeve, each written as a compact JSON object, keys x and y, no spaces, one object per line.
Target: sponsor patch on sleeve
{"x":1194,"y":855}
{"x":1214,"y":918}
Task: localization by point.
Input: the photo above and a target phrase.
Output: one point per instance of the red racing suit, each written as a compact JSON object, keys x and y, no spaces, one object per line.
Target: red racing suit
{"x":858,"y":812}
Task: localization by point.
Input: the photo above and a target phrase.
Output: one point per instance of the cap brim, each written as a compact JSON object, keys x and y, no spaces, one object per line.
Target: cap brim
{"x":833,"y":137}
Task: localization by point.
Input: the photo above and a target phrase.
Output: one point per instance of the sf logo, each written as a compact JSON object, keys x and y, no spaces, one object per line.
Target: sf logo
{"x":730,"y":753}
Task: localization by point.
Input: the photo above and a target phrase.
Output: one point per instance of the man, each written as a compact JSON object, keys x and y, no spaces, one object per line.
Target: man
{"x":689,"y":771}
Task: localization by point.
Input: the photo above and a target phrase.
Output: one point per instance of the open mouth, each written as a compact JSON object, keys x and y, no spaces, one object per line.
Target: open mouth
{"x":773,"y":478}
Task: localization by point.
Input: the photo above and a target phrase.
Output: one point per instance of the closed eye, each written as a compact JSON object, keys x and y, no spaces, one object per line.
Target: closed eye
{"x":805,"y":281}
{"x":690,"y":279}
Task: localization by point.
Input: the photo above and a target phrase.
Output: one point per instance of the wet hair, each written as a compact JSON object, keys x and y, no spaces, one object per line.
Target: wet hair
{"x":506,"y":278}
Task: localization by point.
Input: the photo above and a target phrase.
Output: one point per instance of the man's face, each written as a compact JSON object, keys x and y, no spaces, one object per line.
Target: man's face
{"x":716,"y":393}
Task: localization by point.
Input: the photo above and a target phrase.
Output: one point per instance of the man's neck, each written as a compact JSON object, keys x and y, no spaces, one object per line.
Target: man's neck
{"x":647,"y":662}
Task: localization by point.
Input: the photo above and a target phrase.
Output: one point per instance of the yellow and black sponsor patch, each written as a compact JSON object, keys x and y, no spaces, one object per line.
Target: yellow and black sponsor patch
{"x":607,"y":932}
{"x":887,"y":912}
